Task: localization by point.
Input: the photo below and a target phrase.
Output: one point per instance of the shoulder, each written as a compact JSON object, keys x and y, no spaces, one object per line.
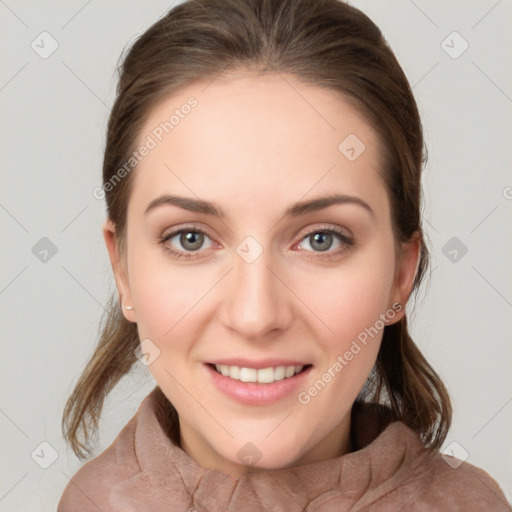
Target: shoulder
{"x":92,"y":485}
{"x":423,"y":480}
{"x":456,"y":485}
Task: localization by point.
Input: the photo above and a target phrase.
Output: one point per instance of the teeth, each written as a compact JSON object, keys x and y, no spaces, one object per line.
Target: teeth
{"x":234,"y":372}
{"x":248,"y":375}
{"x":263,"y":375}
{"x":279,"y":373}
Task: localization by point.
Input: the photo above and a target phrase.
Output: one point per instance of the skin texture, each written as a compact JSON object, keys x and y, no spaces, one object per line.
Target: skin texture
{"x":255,"y":145}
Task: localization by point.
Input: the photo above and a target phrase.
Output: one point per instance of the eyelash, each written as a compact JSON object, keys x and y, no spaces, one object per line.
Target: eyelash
{"x":347,"y":242}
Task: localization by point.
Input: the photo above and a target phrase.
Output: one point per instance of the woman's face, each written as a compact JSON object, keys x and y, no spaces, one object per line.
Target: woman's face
{"x":277,"y":280}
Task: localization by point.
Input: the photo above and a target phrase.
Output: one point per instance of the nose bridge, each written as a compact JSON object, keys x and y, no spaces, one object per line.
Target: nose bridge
{"x":258,"y":302}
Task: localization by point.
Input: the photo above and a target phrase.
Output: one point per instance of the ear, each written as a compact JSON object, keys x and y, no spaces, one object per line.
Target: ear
{"x":405,"y":272}
{"x":118,"y":262}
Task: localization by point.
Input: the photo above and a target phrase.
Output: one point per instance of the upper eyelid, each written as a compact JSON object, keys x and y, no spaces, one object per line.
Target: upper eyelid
{"x":327,"y":228}
{"x":174,"y":231}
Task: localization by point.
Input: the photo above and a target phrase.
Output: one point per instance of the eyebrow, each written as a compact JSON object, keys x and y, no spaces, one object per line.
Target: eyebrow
{"x":297,"y":209}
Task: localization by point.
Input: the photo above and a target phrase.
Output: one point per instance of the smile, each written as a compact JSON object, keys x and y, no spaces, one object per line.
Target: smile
{"x":257,"y":386}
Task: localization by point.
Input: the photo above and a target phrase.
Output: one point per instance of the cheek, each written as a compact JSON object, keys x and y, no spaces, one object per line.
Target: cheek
{"x":164,"y":296}
{"x":167,"y":302}
{"x":353,"y":297}
{"x":350,"y":306}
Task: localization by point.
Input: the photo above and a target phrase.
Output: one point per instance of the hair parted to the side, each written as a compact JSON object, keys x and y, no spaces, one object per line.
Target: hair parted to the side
{"x":321,"y":42}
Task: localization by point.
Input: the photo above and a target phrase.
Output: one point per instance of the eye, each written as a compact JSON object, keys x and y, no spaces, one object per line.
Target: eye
{"x":322,"y":241}
{"x":188,"y":239}
{"x":187,"y":242}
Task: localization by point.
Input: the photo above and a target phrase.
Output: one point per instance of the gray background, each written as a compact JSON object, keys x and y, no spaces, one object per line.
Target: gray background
{"x":54,"y":113}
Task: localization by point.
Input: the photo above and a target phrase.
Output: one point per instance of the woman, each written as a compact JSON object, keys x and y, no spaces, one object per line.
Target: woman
{"x":262,"y":175}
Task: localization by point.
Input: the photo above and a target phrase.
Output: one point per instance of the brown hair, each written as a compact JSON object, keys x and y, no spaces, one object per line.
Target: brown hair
{"x":326,"y":43}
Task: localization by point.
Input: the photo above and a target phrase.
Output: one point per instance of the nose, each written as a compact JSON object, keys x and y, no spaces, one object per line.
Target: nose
{"x":257,"y":303}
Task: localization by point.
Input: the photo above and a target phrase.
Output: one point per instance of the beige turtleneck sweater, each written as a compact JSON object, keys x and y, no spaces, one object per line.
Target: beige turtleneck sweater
{"x":388,"y":470}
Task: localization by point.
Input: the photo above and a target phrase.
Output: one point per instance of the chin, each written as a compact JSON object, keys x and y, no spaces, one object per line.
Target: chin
{"x":261,"y":456}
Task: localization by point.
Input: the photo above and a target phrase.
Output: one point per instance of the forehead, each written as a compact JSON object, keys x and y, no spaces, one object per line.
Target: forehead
{"x":259,"y":134}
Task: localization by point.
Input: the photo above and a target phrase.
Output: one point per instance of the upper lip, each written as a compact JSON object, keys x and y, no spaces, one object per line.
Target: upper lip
{"x":262,"y":363}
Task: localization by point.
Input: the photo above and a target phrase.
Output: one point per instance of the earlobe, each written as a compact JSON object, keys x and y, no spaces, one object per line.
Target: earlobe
{"x":119,"y":270}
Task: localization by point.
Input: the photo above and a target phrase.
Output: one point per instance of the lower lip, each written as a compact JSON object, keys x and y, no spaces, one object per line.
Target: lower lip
{"x":255,"y":393}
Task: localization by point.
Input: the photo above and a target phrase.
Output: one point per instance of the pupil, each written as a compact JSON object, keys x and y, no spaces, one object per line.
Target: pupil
{"x":319,"y":238}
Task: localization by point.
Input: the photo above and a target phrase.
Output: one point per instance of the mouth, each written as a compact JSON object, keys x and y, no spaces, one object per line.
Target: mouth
{"x":269,"y":383}
{"x":266,"y":375}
